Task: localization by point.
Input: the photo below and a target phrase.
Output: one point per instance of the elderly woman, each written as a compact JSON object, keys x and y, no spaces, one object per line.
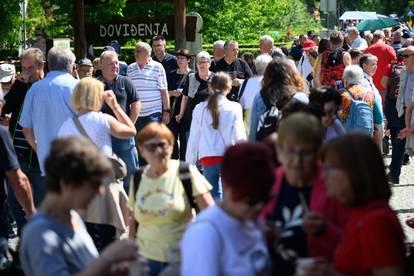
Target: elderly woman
{"x":55,"y":240}
{"x":217,"y":124}
{"x":87,"y":100}
{"x":195,"y":89}
{"x":252,"y":86}
{"x":309,"y":222}
{"x":176,"y":80}
{"x":226,"y":239}
{"x":281,"y":82}
{"x":354,"y":89}
{"x":159,"y":198}
{"x":373,"y":241}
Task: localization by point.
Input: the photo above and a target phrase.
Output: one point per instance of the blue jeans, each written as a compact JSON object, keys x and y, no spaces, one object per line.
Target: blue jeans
{"x":38,"y":190}
{"x":156,"y":267}
{"x":125,"y":149}
{"x":141,"y":123}
{"x":398,"y":148}
{"x":212,"y":174}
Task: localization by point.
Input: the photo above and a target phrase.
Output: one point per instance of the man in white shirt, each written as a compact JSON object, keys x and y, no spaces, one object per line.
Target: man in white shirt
{"x":356,"y":41}
{"x":149,"y":79}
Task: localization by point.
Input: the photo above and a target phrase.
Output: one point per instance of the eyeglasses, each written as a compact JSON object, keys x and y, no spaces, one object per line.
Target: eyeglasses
{"x":151,"y":147}
{"x":304,"y":154}
{"x":407,"y":56}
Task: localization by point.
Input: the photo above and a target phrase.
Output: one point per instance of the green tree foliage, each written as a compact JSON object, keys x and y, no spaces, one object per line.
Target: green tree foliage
{"x":10,"y":21}
{"x":385,"y":7}
{"x":245,"y":20}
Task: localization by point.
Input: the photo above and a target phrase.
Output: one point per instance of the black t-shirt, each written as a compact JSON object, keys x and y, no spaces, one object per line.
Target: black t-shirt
{"x":8,"y":159}
{"x":169,"y":62}
{"x":237,"y":69}
{"x":288,"y":216}
{"x":14,"y":104}
{"x":176,"y":81}
{"x":200,"y":96}
{"x":125,"y":94}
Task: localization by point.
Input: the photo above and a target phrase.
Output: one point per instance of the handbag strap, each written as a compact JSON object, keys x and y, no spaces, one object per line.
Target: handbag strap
{"x":79,"y":126}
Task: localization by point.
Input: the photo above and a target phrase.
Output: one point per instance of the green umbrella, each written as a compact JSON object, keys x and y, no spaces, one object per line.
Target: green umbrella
{"x":376,"y":24}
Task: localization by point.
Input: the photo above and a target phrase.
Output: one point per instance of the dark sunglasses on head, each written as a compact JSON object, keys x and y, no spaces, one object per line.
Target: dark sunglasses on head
{"x":151,"y":147}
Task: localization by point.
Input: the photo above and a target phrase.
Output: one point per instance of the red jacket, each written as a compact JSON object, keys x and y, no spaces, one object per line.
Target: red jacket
{"x":334,"y":213}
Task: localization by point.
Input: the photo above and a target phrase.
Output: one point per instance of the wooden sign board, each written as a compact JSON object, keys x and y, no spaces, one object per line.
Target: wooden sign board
{"x":124,"y":29}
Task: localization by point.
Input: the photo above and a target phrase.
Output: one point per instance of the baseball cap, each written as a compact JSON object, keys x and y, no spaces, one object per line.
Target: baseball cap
{"x":406,"y":35}
{"x":85,"y":62}
{"x":7,"y":72}
{"x":308,"y":45}
{"x":109,"y":48}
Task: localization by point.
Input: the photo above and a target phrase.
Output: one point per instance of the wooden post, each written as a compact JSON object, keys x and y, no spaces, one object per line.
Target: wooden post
{"x":79,"y":29}
{"x":179,"y":24}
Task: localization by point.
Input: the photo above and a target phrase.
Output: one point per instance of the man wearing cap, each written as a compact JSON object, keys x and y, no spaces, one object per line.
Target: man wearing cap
{"x":85,"y":68}
{"x":127,"y":97}
{"x":17,"y":180}
{"x":404,"y":98}
{"x":304,"y":66}
{"x":32,"y":64}
{"x":7,"y":76}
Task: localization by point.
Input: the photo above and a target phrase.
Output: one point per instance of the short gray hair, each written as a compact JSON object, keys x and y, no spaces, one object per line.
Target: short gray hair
{"x":367,"y":58}
{"x":107,"y":53}
{"x":379,"y":34}
{"x":144,"y":46}
{"x":352,"y":30}
{"x":267,"y":39}
{"x":353,"y":74}
{"x":60,"y":59}
{"x":32,"y":53}
{"x":203,"y":54}
{"x":230,"y":42}
{"x":218,"y":43}
{"x":261,"y":63}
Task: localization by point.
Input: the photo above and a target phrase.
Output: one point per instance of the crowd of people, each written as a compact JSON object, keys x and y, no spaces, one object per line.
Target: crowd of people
{"x":267,"y":165}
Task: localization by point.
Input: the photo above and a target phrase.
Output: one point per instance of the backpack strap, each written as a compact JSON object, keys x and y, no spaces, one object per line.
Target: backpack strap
{"x":137,"y":180}
{"x":266,"y":100}
{"x":185,"y":177}
{"x":242,"y":88}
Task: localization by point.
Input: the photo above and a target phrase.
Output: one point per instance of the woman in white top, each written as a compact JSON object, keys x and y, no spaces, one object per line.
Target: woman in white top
{"x":225,"y":239}
{"x":87,"y":99}
{"x":217,"y":124}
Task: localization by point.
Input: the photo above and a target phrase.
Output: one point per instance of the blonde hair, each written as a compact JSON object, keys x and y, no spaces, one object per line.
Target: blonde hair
{"x":88,"y":94}
{"x":219,"y":83}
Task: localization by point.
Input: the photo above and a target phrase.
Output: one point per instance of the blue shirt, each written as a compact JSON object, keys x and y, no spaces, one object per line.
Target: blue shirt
{"x":46,"y":107}
{"x":49,"y":247}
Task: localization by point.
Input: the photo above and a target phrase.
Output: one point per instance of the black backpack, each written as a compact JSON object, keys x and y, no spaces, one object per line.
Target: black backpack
{"x":394,"y":81}
{"x":185,"y":177}
{"x":269,"y":120}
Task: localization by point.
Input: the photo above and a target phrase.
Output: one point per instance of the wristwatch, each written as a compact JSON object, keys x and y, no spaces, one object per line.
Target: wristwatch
{"x":167,"y":110}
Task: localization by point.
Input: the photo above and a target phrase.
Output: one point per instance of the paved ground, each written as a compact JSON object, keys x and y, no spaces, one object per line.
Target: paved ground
{"x":402,"y":200}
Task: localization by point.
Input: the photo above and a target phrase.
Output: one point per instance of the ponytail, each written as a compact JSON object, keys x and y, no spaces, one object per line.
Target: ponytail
{"x":219,"y":83}
{"x":213,"y":106}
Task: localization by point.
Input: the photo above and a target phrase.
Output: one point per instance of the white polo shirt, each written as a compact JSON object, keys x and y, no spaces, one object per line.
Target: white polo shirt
{"x":148,"y":82}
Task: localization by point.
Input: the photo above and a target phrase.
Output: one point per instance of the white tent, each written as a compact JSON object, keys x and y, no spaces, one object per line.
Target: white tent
{"x":358,"y":15}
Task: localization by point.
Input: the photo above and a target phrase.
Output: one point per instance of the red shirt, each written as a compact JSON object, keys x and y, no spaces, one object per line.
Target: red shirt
{"x":385,"y":55}
{"x":372,"y":238}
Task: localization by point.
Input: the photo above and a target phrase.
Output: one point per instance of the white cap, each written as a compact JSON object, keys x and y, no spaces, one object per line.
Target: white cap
{"x":7,"y":71}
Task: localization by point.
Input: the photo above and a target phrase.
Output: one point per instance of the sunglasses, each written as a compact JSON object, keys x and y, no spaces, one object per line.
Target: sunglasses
{"x":151,"y":147}
{"x":407,"y":56}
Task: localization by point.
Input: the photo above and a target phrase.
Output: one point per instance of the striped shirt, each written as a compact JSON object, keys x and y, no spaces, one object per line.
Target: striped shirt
{"x":148,"y":82}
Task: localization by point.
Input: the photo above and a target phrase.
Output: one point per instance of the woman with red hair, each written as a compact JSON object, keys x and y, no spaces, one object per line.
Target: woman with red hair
{"x":225,"y":239}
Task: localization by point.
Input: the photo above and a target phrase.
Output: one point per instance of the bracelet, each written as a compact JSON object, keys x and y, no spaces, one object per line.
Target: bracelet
{"x":167,"y":110}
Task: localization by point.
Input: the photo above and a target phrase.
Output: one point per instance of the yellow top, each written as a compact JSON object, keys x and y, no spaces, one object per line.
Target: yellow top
{"x":162,"y":210}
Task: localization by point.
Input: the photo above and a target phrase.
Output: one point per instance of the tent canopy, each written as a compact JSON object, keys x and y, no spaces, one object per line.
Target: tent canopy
{"x":358,"y":15}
